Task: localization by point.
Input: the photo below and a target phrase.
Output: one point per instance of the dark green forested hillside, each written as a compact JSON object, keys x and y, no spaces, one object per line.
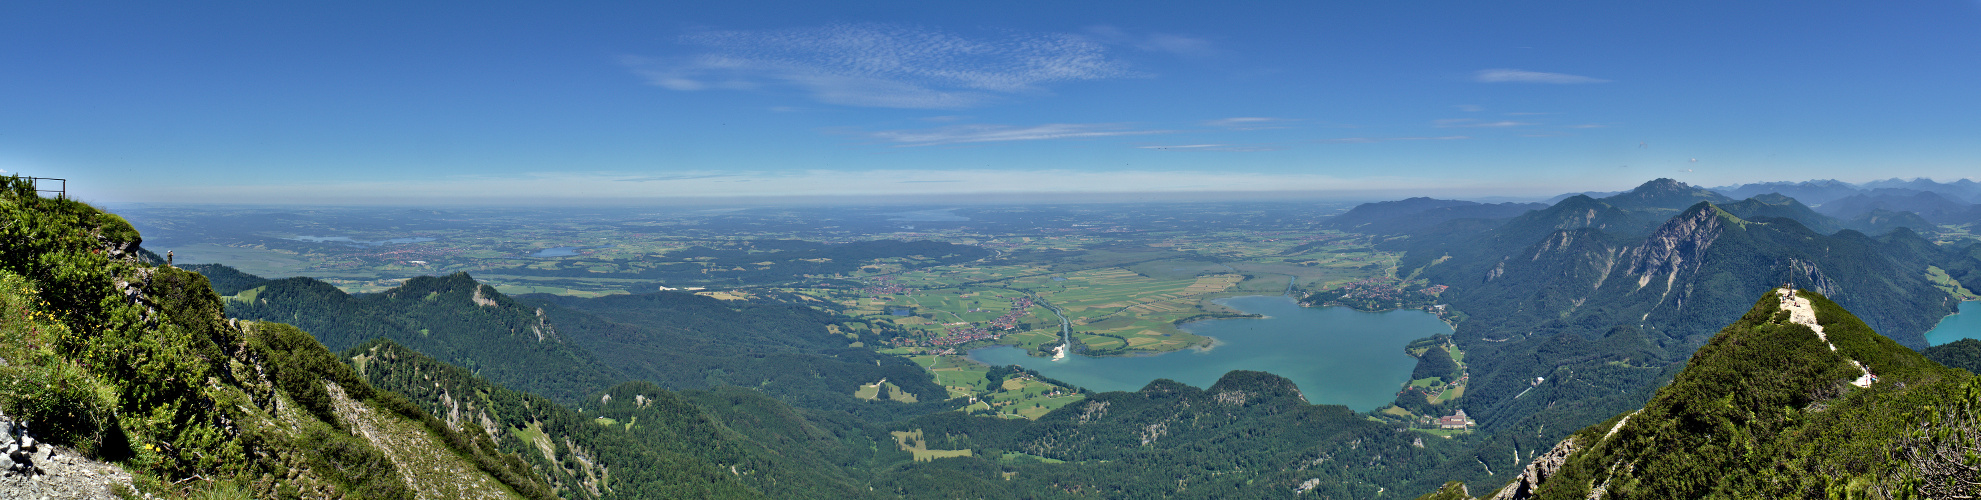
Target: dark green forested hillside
{"x":1250,"y":436}
{"x":452,"y":318}
{"x":1882,"y":221}
{"x":226,"y":280}
{"x":1964,"y":354}
{"x":687,"y":341}
{"x":1769,"y":206}
{"x":635,"y":440}
{"x":565,"y":348}
{"x":1781,"y":404}
{"x":120,"y":360}
{"x":1965,"y":265}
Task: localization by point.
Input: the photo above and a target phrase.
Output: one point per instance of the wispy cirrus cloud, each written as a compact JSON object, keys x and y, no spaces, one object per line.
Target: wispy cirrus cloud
{"x":1241,"y":148}
{"x":1372,"y":140}
{"x":1475,"y":123}
{"x":1180,"y":45}
{"x":881,"y":65}
{"x":1250,"y":123}
{"x":1184,"y":146}
{"x":1503,"y":75}
{"x":673,"y":177}
{"x":961,"y":134}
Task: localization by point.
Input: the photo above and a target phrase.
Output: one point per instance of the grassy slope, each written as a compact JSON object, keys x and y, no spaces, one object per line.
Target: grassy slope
{"x":1764,"y":410}
{"x":132,"y":363}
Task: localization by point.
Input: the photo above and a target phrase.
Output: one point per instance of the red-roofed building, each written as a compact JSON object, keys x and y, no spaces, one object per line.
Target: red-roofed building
{"x":1455,"y":421}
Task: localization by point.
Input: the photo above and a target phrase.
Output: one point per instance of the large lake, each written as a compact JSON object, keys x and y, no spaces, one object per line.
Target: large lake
{"x":1963,"y":325}
{"x":1336,"y":355}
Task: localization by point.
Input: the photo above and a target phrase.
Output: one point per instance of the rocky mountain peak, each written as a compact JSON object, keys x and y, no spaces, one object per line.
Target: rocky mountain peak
{"x":1661,"y":184}
{"x":1680,"y":241}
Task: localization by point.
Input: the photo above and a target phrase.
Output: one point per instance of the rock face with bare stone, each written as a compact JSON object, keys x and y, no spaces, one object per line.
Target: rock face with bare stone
{"x":52,"y":472}
{"x":1539,"y":470}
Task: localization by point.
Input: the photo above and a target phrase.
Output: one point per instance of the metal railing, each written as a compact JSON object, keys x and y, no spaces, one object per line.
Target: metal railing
{"x":61,"y":193}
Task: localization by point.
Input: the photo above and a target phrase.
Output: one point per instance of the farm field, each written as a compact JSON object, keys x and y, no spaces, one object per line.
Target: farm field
{"x":1123,"y":276}
{"x":1019,"y":396}
{"x":913,"y":442}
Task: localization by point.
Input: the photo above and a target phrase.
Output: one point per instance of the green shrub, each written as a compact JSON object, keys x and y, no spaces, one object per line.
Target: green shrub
{"x":65,"y":404}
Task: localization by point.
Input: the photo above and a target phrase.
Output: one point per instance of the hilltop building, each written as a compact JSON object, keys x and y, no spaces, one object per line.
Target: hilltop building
{"x":1456,"y":421}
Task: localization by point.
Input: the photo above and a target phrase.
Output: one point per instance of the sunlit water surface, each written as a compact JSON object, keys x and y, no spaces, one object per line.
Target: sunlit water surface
{"x":1964,"y":325}
{"x":1336,"y":355}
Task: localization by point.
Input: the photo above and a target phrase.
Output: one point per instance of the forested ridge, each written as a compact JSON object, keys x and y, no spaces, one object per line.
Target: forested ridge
{"x":566,"y":348}
{"x":635,"y":440}
{"x":1964,"y":354}
{"x":453,"y":318}
{"x":687,"y":341}
{"x":1780,"y":404}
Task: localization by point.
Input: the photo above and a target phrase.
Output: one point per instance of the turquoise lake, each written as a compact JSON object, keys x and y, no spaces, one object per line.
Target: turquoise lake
{"x":1336,"y":355}
{"x":1965,"y":324}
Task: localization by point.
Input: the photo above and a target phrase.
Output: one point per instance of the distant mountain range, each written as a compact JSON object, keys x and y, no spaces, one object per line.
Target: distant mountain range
{"x":1957,"y":202}
{"x":1938,"y":202}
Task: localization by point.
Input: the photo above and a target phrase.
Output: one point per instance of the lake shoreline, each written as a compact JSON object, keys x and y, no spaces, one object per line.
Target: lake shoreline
{"x":1335,"y":355}
{"x":1957,"y":325}
{"x":1446,"y":319}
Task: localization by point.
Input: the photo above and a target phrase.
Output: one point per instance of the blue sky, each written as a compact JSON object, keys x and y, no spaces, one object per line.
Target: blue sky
{"x":347,"y":102}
